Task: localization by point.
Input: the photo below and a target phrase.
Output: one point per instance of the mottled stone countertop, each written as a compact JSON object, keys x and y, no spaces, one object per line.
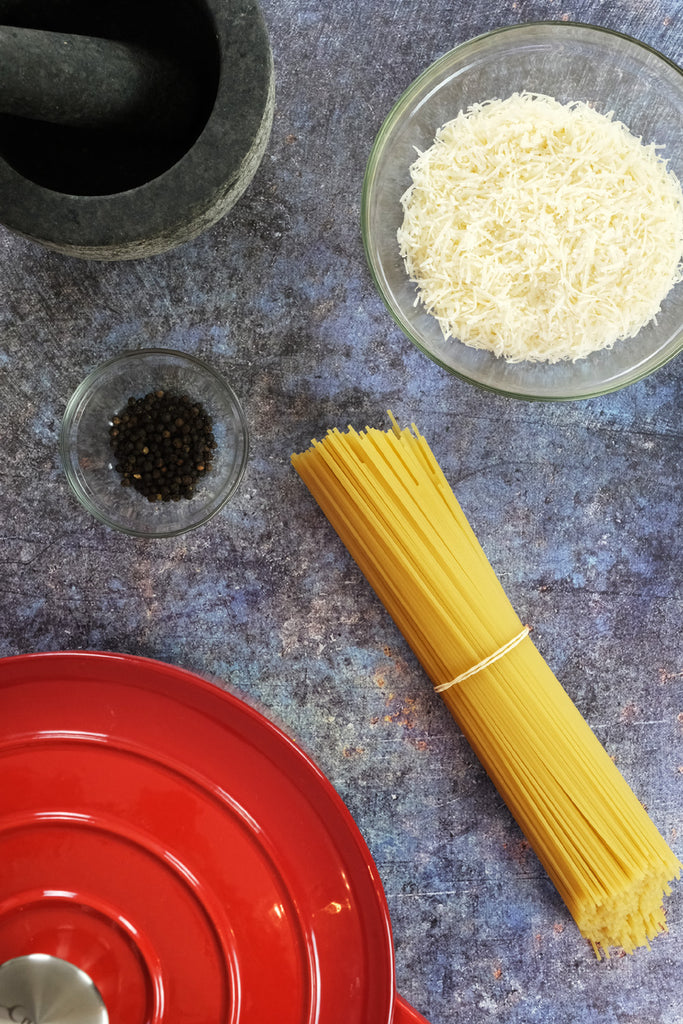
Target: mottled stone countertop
{"x":578,"y":506}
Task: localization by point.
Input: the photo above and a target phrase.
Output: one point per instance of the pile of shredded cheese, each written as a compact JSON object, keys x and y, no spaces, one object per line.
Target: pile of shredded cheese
{"x":541,"y":231}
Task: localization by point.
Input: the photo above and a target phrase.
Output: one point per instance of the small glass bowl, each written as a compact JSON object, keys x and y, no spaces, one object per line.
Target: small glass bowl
{"x":565,"y":60}
{"x":89,"y":462}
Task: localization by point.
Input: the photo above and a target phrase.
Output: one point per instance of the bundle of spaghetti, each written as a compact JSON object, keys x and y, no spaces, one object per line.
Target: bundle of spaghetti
{"x":391,"y":505}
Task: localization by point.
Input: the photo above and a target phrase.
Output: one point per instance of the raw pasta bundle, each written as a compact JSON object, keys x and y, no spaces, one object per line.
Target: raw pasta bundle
{"x":392,"y":506}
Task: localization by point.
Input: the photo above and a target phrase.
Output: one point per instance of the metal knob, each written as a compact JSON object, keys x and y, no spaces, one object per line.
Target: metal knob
{"x":42,"y":989}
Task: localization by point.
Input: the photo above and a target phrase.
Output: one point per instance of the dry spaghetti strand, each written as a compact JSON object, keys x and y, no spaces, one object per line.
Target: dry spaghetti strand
{"x":393,"y":508}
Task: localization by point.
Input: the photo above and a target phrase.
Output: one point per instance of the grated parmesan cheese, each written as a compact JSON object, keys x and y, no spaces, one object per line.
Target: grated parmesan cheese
{"x":541,"y":231}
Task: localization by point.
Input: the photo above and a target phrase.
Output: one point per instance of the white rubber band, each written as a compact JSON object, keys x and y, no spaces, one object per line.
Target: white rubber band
{"x":487,"y":661}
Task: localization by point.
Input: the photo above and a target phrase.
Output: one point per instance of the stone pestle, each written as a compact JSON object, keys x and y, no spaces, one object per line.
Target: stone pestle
{"x":79,"y":80}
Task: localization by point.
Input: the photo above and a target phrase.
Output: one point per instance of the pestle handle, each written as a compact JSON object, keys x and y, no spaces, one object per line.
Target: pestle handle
{"x":86,"y":81}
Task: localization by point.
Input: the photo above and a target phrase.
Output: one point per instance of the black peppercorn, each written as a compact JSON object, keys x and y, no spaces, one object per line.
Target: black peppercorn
{"x":161,"y":444}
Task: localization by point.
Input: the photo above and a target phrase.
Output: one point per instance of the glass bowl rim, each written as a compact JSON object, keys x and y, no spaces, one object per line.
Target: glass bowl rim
{"x":397,"y":110}
{"x":66,"y":448}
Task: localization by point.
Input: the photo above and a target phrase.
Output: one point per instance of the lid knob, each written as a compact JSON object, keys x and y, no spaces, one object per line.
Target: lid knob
{"x":37,"y":989}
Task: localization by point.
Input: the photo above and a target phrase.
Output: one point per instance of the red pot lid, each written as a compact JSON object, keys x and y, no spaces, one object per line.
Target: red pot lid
{"x":176,"y":846}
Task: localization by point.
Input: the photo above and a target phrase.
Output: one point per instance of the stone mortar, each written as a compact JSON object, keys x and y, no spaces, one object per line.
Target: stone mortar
{"x":114,"y":191}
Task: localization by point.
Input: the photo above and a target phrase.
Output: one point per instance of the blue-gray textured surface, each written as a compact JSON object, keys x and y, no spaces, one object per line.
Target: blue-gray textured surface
{"x":577,"y":506}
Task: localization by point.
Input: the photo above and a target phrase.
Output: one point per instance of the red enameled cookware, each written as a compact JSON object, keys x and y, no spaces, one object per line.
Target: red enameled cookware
{"x":169,"y":841}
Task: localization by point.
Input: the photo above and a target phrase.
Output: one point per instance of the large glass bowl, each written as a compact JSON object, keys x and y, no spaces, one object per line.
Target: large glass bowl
{"x":568,"y":61}
{"x":88,"y":460}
